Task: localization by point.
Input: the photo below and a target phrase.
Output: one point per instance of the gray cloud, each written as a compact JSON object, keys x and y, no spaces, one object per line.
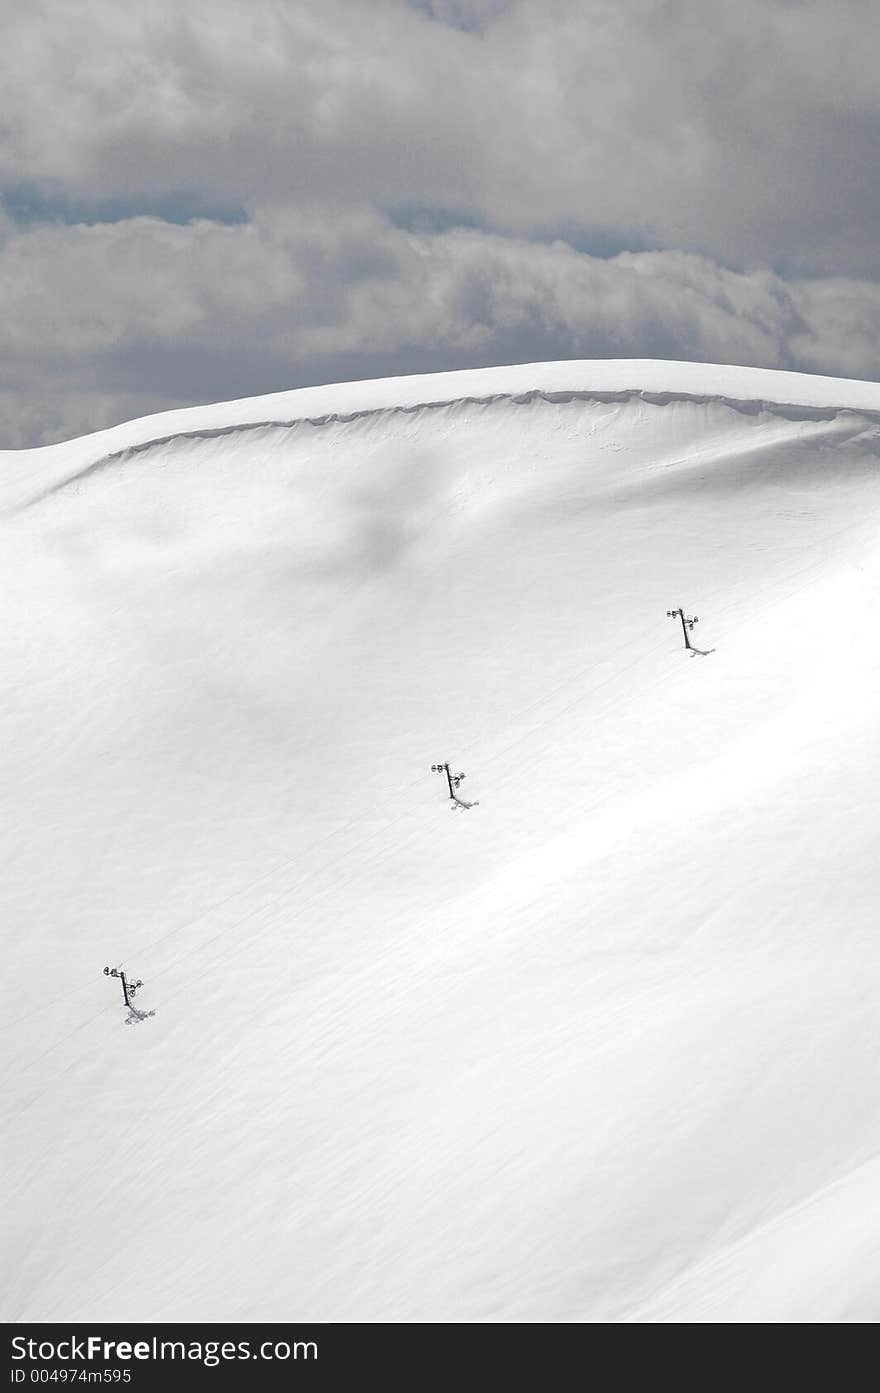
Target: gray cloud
{"x":742,"y":131}
{"x":427,"y":184}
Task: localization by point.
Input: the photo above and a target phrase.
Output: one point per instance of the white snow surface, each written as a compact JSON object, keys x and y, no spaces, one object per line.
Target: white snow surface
{"x":605,"y":1047}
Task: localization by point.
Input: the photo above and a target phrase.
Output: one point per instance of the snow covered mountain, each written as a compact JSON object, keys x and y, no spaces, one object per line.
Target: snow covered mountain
{"x":605,"y":1047}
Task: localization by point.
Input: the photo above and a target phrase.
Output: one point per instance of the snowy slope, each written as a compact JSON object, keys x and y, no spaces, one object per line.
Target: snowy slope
{"x":607,"y":1046}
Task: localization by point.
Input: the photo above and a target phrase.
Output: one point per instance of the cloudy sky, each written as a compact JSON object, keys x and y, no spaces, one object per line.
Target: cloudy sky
{"x":205,"y":199}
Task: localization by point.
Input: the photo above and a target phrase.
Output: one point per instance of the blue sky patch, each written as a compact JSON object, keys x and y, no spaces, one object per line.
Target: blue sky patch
{"x":28,"y":205}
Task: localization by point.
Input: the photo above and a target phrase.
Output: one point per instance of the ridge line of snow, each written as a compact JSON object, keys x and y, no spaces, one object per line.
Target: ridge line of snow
{"x":791,"y":410}
{"x":588,"y":376}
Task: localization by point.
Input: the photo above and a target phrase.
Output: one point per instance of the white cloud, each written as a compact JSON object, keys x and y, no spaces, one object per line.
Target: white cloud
{"x":129,"y":318}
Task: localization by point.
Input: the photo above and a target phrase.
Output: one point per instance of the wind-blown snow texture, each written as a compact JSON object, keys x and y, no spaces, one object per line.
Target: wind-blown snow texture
{"x":606,"y":1047}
